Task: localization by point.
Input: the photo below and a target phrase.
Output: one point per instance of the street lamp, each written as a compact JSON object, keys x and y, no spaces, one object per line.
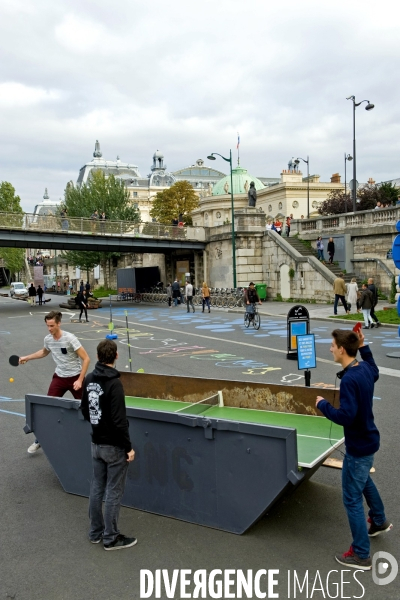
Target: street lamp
{"x":346,"y":158}
{"x":308,"y":181}
{"x":229,"y":160}
{"x":368,"y":107}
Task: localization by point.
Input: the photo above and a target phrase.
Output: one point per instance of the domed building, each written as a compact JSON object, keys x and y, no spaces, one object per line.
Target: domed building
{"x":241,"y":183}
{"x":217,"y":209}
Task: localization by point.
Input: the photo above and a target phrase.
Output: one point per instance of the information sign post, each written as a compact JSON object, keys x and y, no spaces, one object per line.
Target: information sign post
{"x":298,"y":323}
{"x":306,"y":356}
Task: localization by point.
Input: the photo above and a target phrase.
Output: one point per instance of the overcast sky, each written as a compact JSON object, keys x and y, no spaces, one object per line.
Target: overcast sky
{"x":184,"y":77}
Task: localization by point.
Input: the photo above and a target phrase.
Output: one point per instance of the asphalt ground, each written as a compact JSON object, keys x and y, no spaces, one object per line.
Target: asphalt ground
{"x":45,"y":552}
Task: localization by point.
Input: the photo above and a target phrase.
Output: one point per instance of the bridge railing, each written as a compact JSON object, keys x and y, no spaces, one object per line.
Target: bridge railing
{"x":365,"y":218}
{"x":80,"y":225}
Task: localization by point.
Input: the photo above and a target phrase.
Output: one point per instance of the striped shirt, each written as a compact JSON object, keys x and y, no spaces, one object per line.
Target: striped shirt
{"x":63,"y":351}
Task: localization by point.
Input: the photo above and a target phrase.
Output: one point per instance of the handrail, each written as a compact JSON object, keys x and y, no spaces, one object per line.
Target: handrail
{"x":84,"y":226}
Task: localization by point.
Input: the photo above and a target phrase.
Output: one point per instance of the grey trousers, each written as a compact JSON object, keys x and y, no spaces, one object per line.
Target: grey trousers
{"x":110,"y":467}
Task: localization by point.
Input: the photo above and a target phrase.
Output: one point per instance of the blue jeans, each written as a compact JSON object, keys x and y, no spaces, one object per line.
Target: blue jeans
{"x":321,"y":255}
{"x":337,"y":298}
{"x":110,"y":467}
{"x":357,"y":483}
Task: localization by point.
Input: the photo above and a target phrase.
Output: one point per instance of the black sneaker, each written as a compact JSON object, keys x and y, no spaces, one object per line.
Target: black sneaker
{"x":351,"y":559}
{"x":120,"y":543}
{"x":378,"y":324}
{"x":372,"y":325}
{"x":365,"y":327}
{"x":375,"y":530}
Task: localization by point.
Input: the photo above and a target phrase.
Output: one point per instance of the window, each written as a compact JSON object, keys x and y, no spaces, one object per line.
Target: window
{"x":134,"y":194}
{"x":270,"y":208}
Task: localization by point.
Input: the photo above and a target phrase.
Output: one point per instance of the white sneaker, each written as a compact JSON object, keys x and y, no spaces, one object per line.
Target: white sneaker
{"x":33,"y":447}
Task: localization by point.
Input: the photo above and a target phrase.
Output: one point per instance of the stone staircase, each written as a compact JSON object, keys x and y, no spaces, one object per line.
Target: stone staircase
{"x":304,"y":249}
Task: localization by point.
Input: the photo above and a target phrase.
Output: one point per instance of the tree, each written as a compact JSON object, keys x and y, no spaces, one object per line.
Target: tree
{"x":367,"y":198}
{"x":100,"y":193}
{"x":336,"y":203}
{"x":389,"y":192}
{"x":14,"y":258}
{"x":179,"y":199}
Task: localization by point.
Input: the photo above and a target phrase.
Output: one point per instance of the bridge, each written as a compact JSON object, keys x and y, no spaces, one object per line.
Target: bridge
{"x":64,"y":233}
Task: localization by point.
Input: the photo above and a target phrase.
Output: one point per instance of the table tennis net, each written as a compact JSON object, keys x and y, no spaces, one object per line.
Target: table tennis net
{"x":197,"y":408}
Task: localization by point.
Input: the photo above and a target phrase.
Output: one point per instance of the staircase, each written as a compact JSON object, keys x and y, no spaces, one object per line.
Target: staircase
{"x":304,"y":249}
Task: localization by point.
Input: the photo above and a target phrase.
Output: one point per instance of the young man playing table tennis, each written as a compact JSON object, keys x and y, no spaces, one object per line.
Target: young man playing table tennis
{"x":361,"y":440}
{"x":67,"y":353}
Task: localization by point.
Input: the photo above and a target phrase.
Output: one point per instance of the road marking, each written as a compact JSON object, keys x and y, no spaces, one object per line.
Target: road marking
{"x":9,"y":412}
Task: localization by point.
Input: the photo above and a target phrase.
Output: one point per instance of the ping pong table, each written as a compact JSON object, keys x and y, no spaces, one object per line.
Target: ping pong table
{"x":316,"y":436}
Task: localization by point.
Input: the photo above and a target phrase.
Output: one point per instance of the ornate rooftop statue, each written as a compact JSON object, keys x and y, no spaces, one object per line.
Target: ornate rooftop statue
{"x":252,"y":195}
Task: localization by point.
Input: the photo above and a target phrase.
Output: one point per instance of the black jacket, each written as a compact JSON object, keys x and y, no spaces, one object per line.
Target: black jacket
{"x":372,"y":288}
{"x":366,"y":300}
{"x":103,"y":404}
{"x":331,"y":247}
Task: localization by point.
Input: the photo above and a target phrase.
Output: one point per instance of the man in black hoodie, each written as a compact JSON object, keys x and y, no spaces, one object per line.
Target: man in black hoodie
{"x":103,"y":404}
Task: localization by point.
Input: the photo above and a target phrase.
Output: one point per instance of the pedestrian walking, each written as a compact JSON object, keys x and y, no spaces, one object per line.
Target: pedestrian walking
{"x":189,"y":296}
{"x":205,"y":292}
{"x":72,"y":362}
{"x":362,"y":440}
{"x":320,"y":249}
{"x":81,"y":301}
{"x":366,"y":303}
{"x":103,"y":405}
{"x":169,"y":294}
{"x":331,"y":249}
{"x":373,"y":289}
{"x":339,"y":288}
{"x":32,"y":294}
{"x":352,"y":289}
{"x":40,"y":294}
{"x":176,"y":292}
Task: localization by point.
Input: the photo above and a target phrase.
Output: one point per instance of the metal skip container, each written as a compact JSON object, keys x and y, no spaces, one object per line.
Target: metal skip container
{"x":223,"y":468}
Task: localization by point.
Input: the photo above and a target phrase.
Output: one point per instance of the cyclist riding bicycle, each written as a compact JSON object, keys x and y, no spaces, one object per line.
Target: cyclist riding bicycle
{"x":250,"y":298}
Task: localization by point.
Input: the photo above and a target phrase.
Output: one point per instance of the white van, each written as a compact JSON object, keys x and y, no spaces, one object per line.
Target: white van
{"x":18,"y":290}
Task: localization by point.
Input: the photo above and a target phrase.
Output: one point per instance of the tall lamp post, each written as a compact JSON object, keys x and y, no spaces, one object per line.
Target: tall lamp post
{"x":368,"y":107}
{"x":229,"y":160}
{"x":308,"y":181}
{"x":346,"y":158}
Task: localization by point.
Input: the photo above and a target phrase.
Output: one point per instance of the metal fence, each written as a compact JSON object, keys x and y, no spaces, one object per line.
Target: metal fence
{"x":97,"y":227}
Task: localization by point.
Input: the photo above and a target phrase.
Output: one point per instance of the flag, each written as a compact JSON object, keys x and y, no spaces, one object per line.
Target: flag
{"x":238,"y":142}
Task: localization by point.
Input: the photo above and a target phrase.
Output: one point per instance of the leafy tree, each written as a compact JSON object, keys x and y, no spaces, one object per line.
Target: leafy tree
{"x":14,"y":258}
{"x":367,"y":197}
{"x":389,"y":192}
{"x":179,"y":199}
{"x":336,"y":203}
{"x":100,"y":193}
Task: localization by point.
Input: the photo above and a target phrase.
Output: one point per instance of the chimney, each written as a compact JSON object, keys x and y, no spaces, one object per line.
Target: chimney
{"x":371,"y":181}
{"x":335,"y":178}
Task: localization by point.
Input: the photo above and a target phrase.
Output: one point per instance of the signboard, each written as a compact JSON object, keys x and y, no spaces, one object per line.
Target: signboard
{"x":306,"y":356}
{"x":296,"y":329}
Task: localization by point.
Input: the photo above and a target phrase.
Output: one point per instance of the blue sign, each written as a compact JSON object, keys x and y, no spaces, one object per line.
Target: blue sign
{"x":306,"y":357}
{"x":296,"y":328}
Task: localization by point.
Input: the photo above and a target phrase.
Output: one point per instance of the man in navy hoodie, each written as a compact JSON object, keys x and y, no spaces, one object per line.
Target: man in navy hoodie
{"x":361,"y":441}
{"x":103,"y":404}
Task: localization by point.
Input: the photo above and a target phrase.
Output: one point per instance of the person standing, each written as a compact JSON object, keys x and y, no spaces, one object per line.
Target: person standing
{"x":362,"y":440}
{"x":67,"y":353}
{"x":373,"y":289}
{"x":169,"y":294}
{"x":189,"y":296}
{"x":339,"y":288}
{"x":40,"y":294}
{"x":32,"y":294}
{"x":103,"y":405}
{"x":103,"y":219}
{"x":366,"y":303}
{"x":94,"y":218}
{"x":288,"y":222}
{"x":176,"y":292}
{"x":331,"y":249}
{"x":81,"y":286}
{"x":352,"y":289}
{"x":320,"y":249}
{"x":81,"y":301}
{"x":205,"y":292}
{"x":87,"y":288}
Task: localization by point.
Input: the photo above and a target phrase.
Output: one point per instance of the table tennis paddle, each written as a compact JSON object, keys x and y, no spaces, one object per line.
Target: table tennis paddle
{"x":14,"y":360}
{"x":357,"y":327}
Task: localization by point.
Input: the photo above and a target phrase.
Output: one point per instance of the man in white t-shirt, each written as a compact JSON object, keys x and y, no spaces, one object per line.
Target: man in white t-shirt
{"x":189,"y":296}
{"x":67,"y":353}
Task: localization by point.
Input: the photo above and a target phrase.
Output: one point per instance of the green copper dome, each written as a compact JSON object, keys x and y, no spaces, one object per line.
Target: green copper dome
{"x":239,"y":178}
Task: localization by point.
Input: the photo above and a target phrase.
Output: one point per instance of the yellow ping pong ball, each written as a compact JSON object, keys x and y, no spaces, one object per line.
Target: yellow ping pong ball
{"x":11,"y":379}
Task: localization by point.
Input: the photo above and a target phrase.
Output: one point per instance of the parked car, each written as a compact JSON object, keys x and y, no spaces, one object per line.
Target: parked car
{"x":18,"y":290}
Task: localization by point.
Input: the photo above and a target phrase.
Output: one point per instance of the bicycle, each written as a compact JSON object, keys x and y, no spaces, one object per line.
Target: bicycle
{"x":252,"y":318}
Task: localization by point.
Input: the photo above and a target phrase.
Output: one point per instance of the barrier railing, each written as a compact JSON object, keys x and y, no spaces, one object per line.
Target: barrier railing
{"x":80,"y":225}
